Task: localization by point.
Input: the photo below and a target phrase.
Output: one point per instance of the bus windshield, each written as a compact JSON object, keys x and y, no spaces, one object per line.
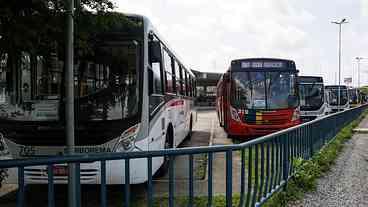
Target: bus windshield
{"x":334,"y":93}
{"x":353,"y":96}
{"x":311,"y":96}
{"x":105,"y":83}
{"x":264,"y":90}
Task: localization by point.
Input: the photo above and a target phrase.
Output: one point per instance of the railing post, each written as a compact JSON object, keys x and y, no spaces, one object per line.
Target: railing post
{"x":209,"y":181}
{"x":171,"y":181}
{"x":229,"y":178}
{"x":285,"y":161}
{"x":310,"y":138}
{"x":21,"y":187}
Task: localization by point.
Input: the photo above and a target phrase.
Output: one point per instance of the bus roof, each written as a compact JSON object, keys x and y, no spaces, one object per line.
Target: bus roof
{"x":261,"y":58}
{"x":148,"y":27}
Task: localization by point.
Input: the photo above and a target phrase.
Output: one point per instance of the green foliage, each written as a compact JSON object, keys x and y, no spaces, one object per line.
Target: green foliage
{"x":305,"y":173}
{"x":200,"y":201}
{"x":39,"y":25}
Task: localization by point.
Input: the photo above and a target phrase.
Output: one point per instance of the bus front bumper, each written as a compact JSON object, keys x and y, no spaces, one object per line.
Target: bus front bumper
{"x":250,"y":131}
{"x":90,"y":173}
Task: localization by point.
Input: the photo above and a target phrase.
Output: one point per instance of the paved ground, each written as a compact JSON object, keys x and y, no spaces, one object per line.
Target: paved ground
{"x":205,"y":132}
{"x":346,"y":184}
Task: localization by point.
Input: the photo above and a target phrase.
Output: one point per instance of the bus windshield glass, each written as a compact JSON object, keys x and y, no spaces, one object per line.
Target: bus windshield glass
{"x":353,"y":96}
{"x":105,"y":83}
{"x":334,"y":94}
{"x":264,"y":90}
{"x":311,"y":96}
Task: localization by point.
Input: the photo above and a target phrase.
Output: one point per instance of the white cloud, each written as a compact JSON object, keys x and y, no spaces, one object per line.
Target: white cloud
{"x":364,"y":7}
{"x":207,"y":34}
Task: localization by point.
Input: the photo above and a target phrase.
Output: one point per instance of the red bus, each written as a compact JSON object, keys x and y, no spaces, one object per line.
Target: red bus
{"x":258,"y":96}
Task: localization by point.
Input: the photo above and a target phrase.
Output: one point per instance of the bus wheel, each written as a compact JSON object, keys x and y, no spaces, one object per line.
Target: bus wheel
{"x":190,"y":133}
{"x":165,"y":165}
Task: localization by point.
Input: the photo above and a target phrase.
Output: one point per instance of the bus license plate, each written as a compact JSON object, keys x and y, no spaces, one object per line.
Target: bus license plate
{"x":60,"y":170}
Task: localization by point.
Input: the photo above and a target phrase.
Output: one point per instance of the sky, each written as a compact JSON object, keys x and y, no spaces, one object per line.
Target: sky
{"x":208,"y":34}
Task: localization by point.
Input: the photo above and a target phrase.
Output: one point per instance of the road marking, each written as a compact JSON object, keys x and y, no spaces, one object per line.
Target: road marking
{"x":211,"y":135}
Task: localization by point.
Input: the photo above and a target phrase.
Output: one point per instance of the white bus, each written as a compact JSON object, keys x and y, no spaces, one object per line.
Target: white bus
{"x":132,"y":93}
{"x":333,"y":95}
{"x":313,"y":103}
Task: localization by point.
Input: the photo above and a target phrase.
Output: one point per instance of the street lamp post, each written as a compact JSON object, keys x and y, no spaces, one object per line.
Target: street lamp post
{"x":358,"y":60}
{"x":69,"y":100}
{"x":343,"y":21}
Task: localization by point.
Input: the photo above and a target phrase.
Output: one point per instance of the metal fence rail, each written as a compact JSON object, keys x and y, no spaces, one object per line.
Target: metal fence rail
{"x":266,"y":163}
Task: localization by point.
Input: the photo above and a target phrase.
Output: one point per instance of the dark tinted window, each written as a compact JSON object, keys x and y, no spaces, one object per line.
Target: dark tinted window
{"x":177,"y":77}
{"x":168,"y":73}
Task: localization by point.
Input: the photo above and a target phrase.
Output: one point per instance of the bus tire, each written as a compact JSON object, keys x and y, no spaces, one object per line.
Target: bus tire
{"x":190,"y":133}
{"x":164,"y":168}
{"x":230,"y":136}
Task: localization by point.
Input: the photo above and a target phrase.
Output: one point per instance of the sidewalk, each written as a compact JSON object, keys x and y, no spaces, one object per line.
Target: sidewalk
{"x":346,"y":184}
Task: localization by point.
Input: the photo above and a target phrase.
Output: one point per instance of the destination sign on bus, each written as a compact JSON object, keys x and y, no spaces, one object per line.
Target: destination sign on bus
{"x":262,"y":64}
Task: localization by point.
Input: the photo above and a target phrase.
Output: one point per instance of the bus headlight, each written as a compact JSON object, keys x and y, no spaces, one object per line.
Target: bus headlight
{"x":296,"y":115}
{"x":126,"y":140}
{"x":234,"y":114}
{"x":3,"y":147}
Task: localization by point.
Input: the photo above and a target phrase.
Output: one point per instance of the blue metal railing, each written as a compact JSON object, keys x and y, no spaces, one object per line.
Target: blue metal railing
{"x":265,"y":164}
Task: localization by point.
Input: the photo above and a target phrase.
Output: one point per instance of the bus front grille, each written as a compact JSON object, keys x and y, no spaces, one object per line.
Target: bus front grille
{"x":39,"y":174}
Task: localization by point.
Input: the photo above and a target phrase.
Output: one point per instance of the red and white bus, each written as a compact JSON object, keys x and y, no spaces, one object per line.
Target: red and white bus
{"x":258,"y":96}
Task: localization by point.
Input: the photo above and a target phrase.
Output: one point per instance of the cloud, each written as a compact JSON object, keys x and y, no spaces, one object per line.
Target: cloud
{"x":364,"y":6}
{"x":207,"y":34}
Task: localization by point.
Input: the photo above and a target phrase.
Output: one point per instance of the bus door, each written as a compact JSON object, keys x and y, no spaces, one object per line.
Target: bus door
{"x":220,"y":103}
{"x":225,"y":100}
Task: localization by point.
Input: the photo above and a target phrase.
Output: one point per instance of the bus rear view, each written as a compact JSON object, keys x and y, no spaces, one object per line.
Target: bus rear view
{"x":334,"y":104}
{"x":312,"y":97}
{"x":258,"y":97}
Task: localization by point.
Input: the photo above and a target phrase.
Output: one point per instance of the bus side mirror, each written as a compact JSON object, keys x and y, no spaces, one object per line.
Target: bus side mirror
{"x":155,"y":51}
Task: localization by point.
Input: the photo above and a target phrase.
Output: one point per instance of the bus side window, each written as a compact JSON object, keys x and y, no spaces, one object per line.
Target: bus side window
{"x":177,"y":78}
{"x":191,"y":85}
{"x":168,"y":73}
{"x":182,"y":92}
{"x":186,"y":84}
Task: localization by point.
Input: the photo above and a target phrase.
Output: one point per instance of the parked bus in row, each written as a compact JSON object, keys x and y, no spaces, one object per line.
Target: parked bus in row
{"x":354,"y":97}
{"x":132,"y":93}
{"x":258,"y":96}
{"x":334,"y":105}
{"x":313,"y":103}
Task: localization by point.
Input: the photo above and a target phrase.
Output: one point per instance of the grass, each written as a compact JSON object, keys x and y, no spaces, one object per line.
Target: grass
{"x":308,"y":171}
{"x":201,"y":166}
{"x":200,"y":201}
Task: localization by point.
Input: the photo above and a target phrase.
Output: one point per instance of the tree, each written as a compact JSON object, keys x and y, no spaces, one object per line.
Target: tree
{"x":36,"y":23}
{"x":37,"y":27}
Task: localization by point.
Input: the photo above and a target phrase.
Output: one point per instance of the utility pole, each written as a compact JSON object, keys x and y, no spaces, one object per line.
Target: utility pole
{"x":358,"y":60}
{"x":343,"y":21}
{"x":69,"y":101}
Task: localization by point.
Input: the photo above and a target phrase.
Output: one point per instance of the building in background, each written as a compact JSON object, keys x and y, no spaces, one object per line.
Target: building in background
{"x":206,"y":87}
